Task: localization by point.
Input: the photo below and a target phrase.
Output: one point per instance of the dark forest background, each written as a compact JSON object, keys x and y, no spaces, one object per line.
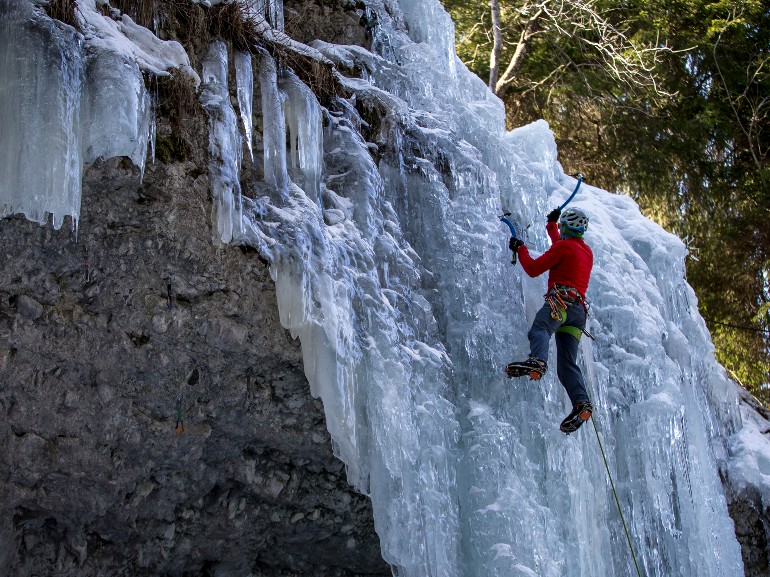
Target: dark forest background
{"x":667,"y":101}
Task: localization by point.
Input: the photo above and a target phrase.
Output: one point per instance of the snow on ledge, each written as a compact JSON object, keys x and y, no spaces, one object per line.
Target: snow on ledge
{"x":126,"y":37}
{"x":749,"y":462}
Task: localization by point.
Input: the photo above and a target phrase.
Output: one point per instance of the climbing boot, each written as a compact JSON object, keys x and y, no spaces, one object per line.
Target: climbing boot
{"x":532,"y":367}
{"x":579,"y":415}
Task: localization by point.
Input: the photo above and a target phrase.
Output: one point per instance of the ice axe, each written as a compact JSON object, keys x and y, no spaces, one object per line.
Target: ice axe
{"x":514,"y":234}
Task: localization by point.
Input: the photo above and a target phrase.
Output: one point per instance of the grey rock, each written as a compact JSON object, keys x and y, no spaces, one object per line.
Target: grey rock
{"x":94,"y":478}
{"x":29,"y":307}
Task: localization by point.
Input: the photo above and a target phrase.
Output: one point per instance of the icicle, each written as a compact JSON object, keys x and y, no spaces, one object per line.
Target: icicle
{"x":303,"y":117}
{"x":153,"y":117}
{"x":117,"y":110}
{"x":273,"y":125}
{"x":41,"y":80}
{"x":278,"y":24}
{"x":260,"y":7}
{"x":224,"y":143}
{"x":274,"y":13}
{"x":244,"y":77}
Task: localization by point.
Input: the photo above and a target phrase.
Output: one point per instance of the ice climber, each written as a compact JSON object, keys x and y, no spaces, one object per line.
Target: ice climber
{"x":568,"y":262}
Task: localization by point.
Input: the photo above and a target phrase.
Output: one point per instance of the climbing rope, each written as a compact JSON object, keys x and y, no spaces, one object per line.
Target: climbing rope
{"x":179,"y":418}
{"x":617,"y":501}
{"x":88,"y":272}
{"x":169,"y":296}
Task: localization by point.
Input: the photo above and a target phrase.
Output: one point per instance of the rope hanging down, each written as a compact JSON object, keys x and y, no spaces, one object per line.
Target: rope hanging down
{"x":617,"y":501}
{"x":179,"y":416}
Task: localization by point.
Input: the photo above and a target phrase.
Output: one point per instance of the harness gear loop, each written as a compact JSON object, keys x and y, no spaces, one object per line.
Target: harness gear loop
{"x":559,"y":298}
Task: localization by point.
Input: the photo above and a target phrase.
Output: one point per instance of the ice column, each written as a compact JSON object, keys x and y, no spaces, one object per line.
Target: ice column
{"x":303,"y":117}
{"x":270,"y":10}
{"x":275,"y":13}
{"x":117,"y":110}
{"x":41,"y":81}
{"x":244,"y":78}
{"x":429,"y":23}
{"x":273,"y":125}
{"x":224,"y":143}
{"x":352,"y":294}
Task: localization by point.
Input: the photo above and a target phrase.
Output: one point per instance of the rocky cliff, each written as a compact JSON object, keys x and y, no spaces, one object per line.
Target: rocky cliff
{"x":113,"y":340}
{"x":154,"y":415}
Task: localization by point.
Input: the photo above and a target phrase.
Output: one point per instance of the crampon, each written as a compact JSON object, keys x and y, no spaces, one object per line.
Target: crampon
{"x":533,"y":368}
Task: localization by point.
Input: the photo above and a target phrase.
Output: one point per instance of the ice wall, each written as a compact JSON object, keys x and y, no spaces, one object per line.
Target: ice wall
{"x":392,"y":268}
{"x":42,"y":73}
{"x":400,"y":288}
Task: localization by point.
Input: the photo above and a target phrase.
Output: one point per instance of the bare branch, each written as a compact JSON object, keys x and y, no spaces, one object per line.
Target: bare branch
{"x":530,"y":29}
{"x":497,"y":44}
{"x":630,"y":64}
{"x":734,"y":101}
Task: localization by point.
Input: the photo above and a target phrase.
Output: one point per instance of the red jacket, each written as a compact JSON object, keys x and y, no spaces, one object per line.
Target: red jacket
{"x":569,"y":261}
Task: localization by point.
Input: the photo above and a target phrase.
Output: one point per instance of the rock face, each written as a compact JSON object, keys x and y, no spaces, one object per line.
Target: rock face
{"x":111,"y":340}
{"x":154,"y":415}
{"x":752,"y":527}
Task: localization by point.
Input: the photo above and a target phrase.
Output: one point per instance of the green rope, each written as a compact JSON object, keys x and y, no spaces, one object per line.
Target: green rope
{"x":617,"y":501}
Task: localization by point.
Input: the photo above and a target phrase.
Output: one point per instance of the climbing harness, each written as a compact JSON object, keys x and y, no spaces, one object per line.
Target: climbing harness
{"x":574,"y":192}
{"x":617,"y":501}
{"x":559,"y":298}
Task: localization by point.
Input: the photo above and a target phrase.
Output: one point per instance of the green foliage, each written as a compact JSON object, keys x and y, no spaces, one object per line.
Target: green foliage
{"x":692,"y":150}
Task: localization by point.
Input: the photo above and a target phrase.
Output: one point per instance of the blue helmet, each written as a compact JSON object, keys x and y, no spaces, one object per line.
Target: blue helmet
{"x":574,"y":220}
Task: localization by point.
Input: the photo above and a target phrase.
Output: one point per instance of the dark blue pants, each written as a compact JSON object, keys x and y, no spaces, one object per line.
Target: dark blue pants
{"x":567,"y":344}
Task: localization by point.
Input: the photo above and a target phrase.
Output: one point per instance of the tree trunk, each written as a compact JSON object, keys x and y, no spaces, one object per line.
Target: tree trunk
{"x":497,"y":45}
{"x":531,"y":28}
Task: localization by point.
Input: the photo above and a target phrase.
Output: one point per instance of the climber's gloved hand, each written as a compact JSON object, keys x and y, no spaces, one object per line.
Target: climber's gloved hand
{"x":514,"y":244}
{"x":554,"y":215}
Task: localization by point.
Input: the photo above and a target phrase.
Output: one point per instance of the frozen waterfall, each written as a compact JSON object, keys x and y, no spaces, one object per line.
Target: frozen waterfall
{"x":407,"y":308}
{"x":380,"y":223}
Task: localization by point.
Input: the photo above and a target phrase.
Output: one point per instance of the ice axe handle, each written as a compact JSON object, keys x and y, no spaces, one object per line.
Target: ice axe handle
{"x":510,"y":226}
{"x":574,"y":192}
